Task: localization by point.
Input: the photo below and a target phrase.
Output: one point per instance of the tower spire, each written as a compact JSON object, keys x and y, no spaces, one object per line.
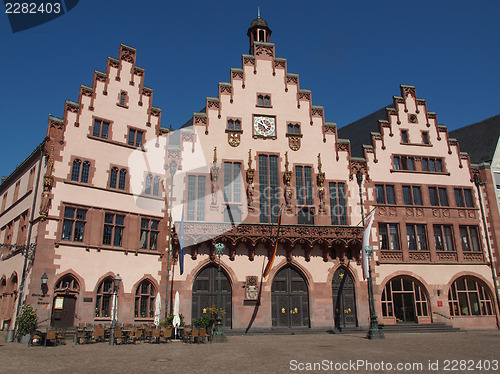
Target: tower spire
{"x":258,"y":31}
{"x":258,"y":12}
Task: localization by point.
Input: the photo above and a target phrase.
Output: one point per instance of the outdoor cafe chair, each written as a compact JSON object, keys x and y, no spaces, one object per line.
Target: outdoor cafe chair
{"x":167,"y":333}
{"x":98,"y":334}
{"x":61,"y":336}
{"x":186,"y":337}
{"x":155,"y":335}
{"x":203,"y":335}
{"x":36,"y":338}
{"x":50,"y":336}
{"x":137,"y":335}
{"x":118,"y":335}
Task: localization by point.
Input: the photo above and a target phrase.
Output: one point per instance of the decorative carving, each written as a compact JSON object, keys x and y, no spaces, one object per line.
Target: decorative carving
{"x":200,"y":120}
{"x":225,"y":89}
{"x":155,"y":112}
{"x":474,"y":257}
{"x":147,"y":92}
{"x":214,"y":177}
{"x":317,"y":112}
{"x":249,"y":61}
{"x":292,"y":79}
{"x":408,"y":90}
{"x":187,"y":137}
{"x":48,"y":181}
{"x":100,"y":77}
{"x":447,"y":256}
{"x":280,"y":63}
{"x":419,"y":212}
{"x":358,"y":167}
{"x":250,"y":186}
{"x":412,"y":118}
{"x":252,"y":291}
{"x":391,"y":256}
{"x":237,"y":74}
{"x":139,"y":72}
{"x":233,"y":138}
{"x":127,"y":54}
{"x":266,"y":49}
{"x":113,"y":63}
{"x":409,"y":212}
{"x":87,"y":91}
{"x":419,"y":256}
{"x":329,"y":129}
{"x":213,"y":104}
{"x":305,"y":96}
{"x":294,"y":142}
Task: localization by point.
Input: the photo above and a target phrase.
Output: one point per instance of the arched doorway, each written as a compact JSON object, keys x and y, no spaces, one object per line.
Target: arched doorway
{"x":405,"y":299}
{"x":205,"y":294}
{"x":289,"y":299}
{"x":64,"y":305}
{"x":344,"y":299}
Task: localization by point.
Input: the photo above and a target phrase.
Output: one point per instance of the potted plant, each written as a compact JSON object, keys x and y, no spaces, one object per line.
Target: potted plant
{"x":27,"y":322}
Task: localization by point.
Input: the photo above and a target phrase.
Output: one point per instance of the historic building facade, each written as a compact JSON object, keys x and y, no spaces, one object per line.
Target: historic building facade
{"x":111,"y":177}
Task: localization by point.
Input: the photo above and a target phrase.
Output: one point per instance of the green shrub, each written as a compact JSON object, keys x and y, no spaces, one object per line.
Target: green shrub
{"x":168,"y":321}
{"x":27,"y":321}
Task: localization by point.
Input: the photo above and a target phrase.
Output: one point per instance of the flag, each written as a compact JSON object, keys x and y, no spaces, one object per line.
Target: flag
{"x":366,"y":242}
{"x":181,"y":243}
{"x":271,"y":260}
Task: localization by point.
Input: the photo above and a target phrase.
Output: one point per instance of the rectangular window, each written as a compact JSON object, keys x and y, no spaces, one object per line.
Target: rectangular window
{"x":404,"y":163}
{"x":463,"y":197}
{"x":100,"y":129}
{"x":304,"y":185}
{"x":232,"y":182}
{"x":338,"y":208}
{"x":434,"y":165}
{"x":113,"y":229}
{"x":425,"y":137}
{"x":417,"y":237}
{"x":438,"y":196}
{"x":469,"y":237}
{"x":73,"y":224}
{"x":404,"y":136}
{"x":385,"y":194}
{"x":16,"y":192}
{"x":135,"y":137}
{"x":149,"y":234}
{"x":233,"y":124}
{"x":389,"y":236}
{"x":268,"y":188}
{"x":293,"y":129}
{"x":412,"y":195}
{"x":443,"y":238}
{"x":196,"y":198}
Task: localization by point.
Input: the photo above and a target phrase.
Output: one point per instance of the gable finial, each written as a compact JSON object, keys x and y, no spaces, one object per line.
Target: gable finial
{"x":258,"y":12}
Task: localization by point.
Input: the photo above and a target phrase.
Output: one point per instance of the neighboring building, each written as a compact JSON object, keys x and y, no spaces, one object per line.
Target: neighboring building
{"x":482,"y":142}
{"x":113,"y":175}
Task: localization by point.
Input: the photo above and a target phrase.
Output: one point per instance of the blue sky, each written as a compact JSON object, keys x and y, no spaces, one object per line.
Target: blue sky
{"x":353,"y":55}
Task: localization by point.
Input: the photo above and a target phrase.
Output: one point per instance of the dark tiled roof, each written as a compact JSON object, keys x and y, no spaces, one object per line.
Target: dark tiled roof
{"x":479,"y":140}
{"x":359,"y":132}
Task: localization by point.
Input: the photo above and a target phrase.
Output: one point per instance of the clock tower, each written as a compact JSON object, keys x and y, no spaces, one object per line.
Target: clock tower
{"x":258,"y":31}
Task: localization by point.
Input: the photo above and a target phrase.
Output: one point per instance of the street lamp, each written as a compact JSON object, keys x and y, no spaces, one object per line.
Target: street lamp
{"x":219,"y":336}
{"x":374,"y":332}
{"x":116,"y":284}
{"x":44,"y":286}
{"x":173,"y":169}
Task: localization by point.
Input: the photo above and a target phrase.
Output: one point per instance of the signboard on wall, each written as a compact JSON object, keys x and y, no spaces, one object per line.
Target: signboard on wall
{"x":58,"y":303}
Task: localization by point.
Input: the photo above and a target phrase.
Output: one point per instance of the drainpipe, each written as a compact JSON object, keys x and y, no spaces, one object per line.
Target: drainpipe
{"x":478,"y":182}
{"x":20,"y":301}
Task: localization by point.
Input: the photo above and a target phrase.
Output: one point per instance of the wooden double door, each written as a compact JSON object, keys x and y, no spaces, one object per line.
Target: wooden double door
{"x":344,"y":299}
{"x":205,"y":295}
{"x":289,"y":299}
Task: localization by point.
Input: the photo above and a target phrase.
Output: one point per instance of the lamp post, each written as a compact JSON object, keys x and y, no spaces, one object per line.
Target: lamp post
{"x":374,"y":332}
{"x":43,"y":286}
{"x":173,"y":169}
{"x":219,"y":336}
{"x":116,"y":284}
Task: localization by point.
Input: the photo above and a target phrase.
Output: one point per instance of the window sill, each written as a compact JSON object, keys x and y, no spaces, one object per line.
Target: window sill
{"x":75,"y":183}
{"x":419,"y":172}
{"x":297,"y":135}
{"x":263,"y":106}
{"x":113,"y":142}
{"x":122,"y":106}
{"x":233,"y":131}
{"x":417,"y":144}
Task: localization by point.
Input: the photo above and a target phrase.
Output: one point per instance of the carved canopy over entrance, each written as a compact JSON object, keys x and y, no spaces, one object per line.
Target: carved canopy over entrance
{"x":199,"y":232}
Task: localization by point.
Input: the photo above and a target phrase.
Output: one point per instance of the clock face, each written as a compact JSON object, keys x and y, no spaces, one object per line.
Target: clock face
{"x":264,"y":126}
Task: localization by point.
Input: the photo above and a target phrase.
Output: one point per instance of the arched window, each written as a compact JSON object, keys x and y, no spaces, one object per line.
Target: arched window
{"x":156,"y":186}
{"x":267,"y":101}
{"x":75,"y":171}
{"x":149,"y":181}
{"x":260,"y":100}
{"x":123,"y":96}
{"x":79,"y":172}
{"x":113,"y":177}
{"x":404,"y":299}
{"x":103,"y":298}
{"x":121,"y":180}
{"x":67,"y":283}
{"x":85,"y":172}
{"x":468,"y":297}
{"x":145,"y":300}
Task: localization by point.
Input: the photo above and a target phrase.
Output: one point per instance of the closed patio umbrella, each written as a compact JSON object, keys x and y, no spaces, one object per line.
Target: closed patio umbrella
{"x":157,"y":309}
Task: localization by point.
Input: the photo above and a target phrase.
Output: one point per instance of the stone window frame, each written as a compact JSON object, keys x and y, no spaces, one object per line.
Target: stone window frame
{"x":148,"y":230}
{"x":388,"y":233}
{"x":74,"y":219}
{"x":483,"y":293}
{"x":443,"y":238}
{"x":114,"y":226}
{"x":150,"y":304}
{"x":123,"y":99}
{"x":109,"y":135}
{"x":261,"y":100}
{"x":91,"y":170}
{"x":419,"y":246}
{"x":438,"y":189}
{"x":384,"y":189}
{"x":470,"y":241}
{"x":412,"y":195}
{"x":136,"y":130}
{"x":119,"y":170}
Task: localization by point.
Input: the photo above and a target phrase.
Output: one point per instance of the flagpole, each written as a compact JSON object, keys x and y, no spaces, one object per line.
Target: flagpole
{"x":374,"y":332}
